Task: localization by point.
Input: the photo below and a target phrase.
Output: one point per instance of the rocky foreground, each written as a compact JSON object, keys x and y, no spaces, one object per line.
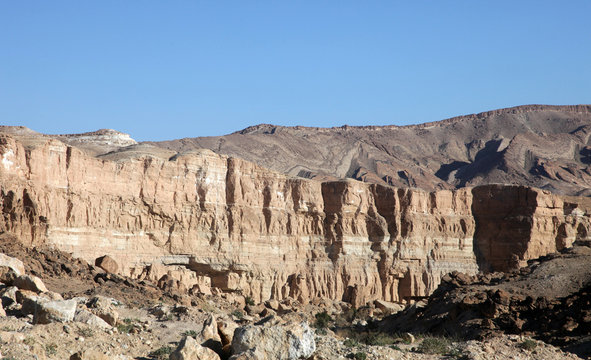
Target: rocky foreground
{"x":57,"y":307}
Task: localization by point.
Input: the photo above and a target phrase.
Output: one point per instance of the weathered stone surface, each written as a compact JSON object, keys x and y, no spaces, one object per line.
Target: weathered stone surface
{"x":86,"y":317}
{"x":8,"y":295}
{"x":226,"y":331}
{"x":281,"y":342}
{"x":10,"y":269}
{"x":103,"y":307}
{"x":13,"y":263}
{"x":31,"y":283}
{"x":388,"y":306}
{"x":250,"y":354}
{"x":90,"y":355}
{"x":189,"y":349}
{"x":107,"y":263}
{"x":54,"y":311}
{"x":210,"y":329}
{"x":28,"y":300}
{"x":208,"y":220}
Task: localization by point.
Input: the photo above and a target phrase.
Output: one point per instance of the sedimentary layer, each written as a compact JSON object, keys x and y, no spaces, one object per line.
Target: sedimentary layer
{"x":207,"y":222}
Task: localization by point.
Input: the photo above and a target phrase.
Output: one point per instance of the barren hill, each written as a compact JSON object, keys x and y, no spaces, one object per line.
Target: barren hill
{"x":535,"y":145}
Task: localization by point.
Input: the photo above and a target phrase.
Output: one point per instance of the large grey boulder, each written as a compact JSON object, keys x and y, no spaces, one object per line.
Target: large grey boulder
{"x":290,"y":341}
{"x":86,"y":317}
{"x":54,"y":311}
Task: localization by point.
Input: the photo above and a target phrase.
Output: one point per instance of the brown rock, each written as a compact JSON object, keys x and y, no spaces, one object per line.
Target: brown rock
{"x":107,"y":263}
{"x":30,"y":282}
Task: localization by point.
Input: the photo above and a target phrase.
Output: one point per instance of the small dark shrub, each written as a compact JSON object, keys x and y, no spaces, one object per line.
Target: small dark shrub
{"x":322,"y":320}
{"x":360,"y":356}
{"x":191,"y":333}
{"x":161,"y":353}
{"x":350,"y":342}
{"x":237,"y":314}
{"x":528,"y":345}
{"x":434,"y":345}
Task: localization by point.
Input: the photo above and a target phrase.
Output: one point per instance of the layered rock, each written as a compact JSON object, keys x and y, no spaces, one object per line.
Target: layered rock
{"x":201,"y":219}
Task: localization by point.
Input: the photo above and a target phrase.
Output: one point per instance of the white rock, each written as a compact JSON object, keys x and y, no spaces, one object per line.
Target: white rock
{"x":282,"y":342}
{"x":15,"y":264}
{"x":54,"y":311}
{"x":86,"y":317}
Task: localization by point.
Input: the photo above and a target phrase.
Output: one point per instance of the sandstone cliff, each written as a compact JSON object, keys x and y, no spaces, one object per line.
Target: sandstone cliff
{"x":206,"y":222}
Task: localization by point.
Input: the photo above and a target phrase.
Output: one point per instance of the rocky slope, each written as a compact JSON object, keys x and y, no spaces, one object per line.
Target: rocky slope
{"x":549,"y":299}
{"x":543,"y":146}
{"x":205,"y":222}
{"x":85,"y":314}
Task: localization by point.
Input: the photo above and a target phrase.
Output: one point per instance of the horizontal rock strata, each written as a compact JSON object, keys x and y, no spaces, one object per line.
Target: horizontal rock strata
{"x":201,"y":220}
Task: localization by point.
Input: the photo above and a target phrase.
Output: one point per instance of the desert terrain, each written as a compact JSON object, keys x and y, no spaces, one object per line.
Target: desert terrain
{"x":466,"y":238}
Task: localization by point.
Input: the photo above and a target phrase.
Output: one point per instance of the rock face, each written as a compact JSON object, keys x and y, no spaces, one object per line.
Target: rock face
{"x":201,"y":220}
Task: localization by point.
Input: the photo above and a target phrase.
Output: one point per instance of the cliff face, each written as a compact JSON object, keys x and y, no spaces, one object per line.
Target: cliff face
{"x":207,"y":222}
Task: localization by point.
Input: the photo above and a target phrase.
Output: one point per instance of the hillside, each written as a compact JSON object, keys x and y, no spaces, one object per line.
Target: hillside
{"x":535,"y":145}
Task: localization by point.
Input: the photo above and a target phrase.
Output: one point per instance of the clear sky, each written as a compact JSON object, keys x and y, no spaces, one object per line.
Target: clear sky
{"x":171,"y":69}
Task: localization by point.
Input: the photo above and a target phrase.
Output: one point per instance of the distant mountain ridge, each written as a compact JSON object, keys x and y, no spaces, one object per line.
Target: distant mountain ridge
{"x":544,"y":146}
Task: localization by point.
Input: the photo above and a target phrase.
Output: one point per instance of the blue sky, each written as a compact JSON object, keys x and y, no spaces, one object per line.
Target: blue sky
{"x":171,"y":69}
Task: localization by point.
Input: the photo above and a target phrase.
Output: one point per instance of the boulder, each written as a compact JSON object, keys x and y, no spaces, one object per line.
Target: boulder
{"x":388,"y":307}
{"x":103,"y":307}
{"x":200,"y":289}
{"x":54,"y":311}
{"x":272,"y":304}
{"x":210,"y":336}
{"x":288,"y":341}
{"x":210,"y":329}
{"x":255,"y":309}
{"x":189,"y":349}
{"x":8,"y":295}
{"x":7,"y":262}
{"x":226,"y":331}
{"x":30,"y":282}
{"x":107,"y":263}
{"x":250,"y":354}
{"x":86,"y":317}
{"x":161,"y":311}
{"x":28,"y":300}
